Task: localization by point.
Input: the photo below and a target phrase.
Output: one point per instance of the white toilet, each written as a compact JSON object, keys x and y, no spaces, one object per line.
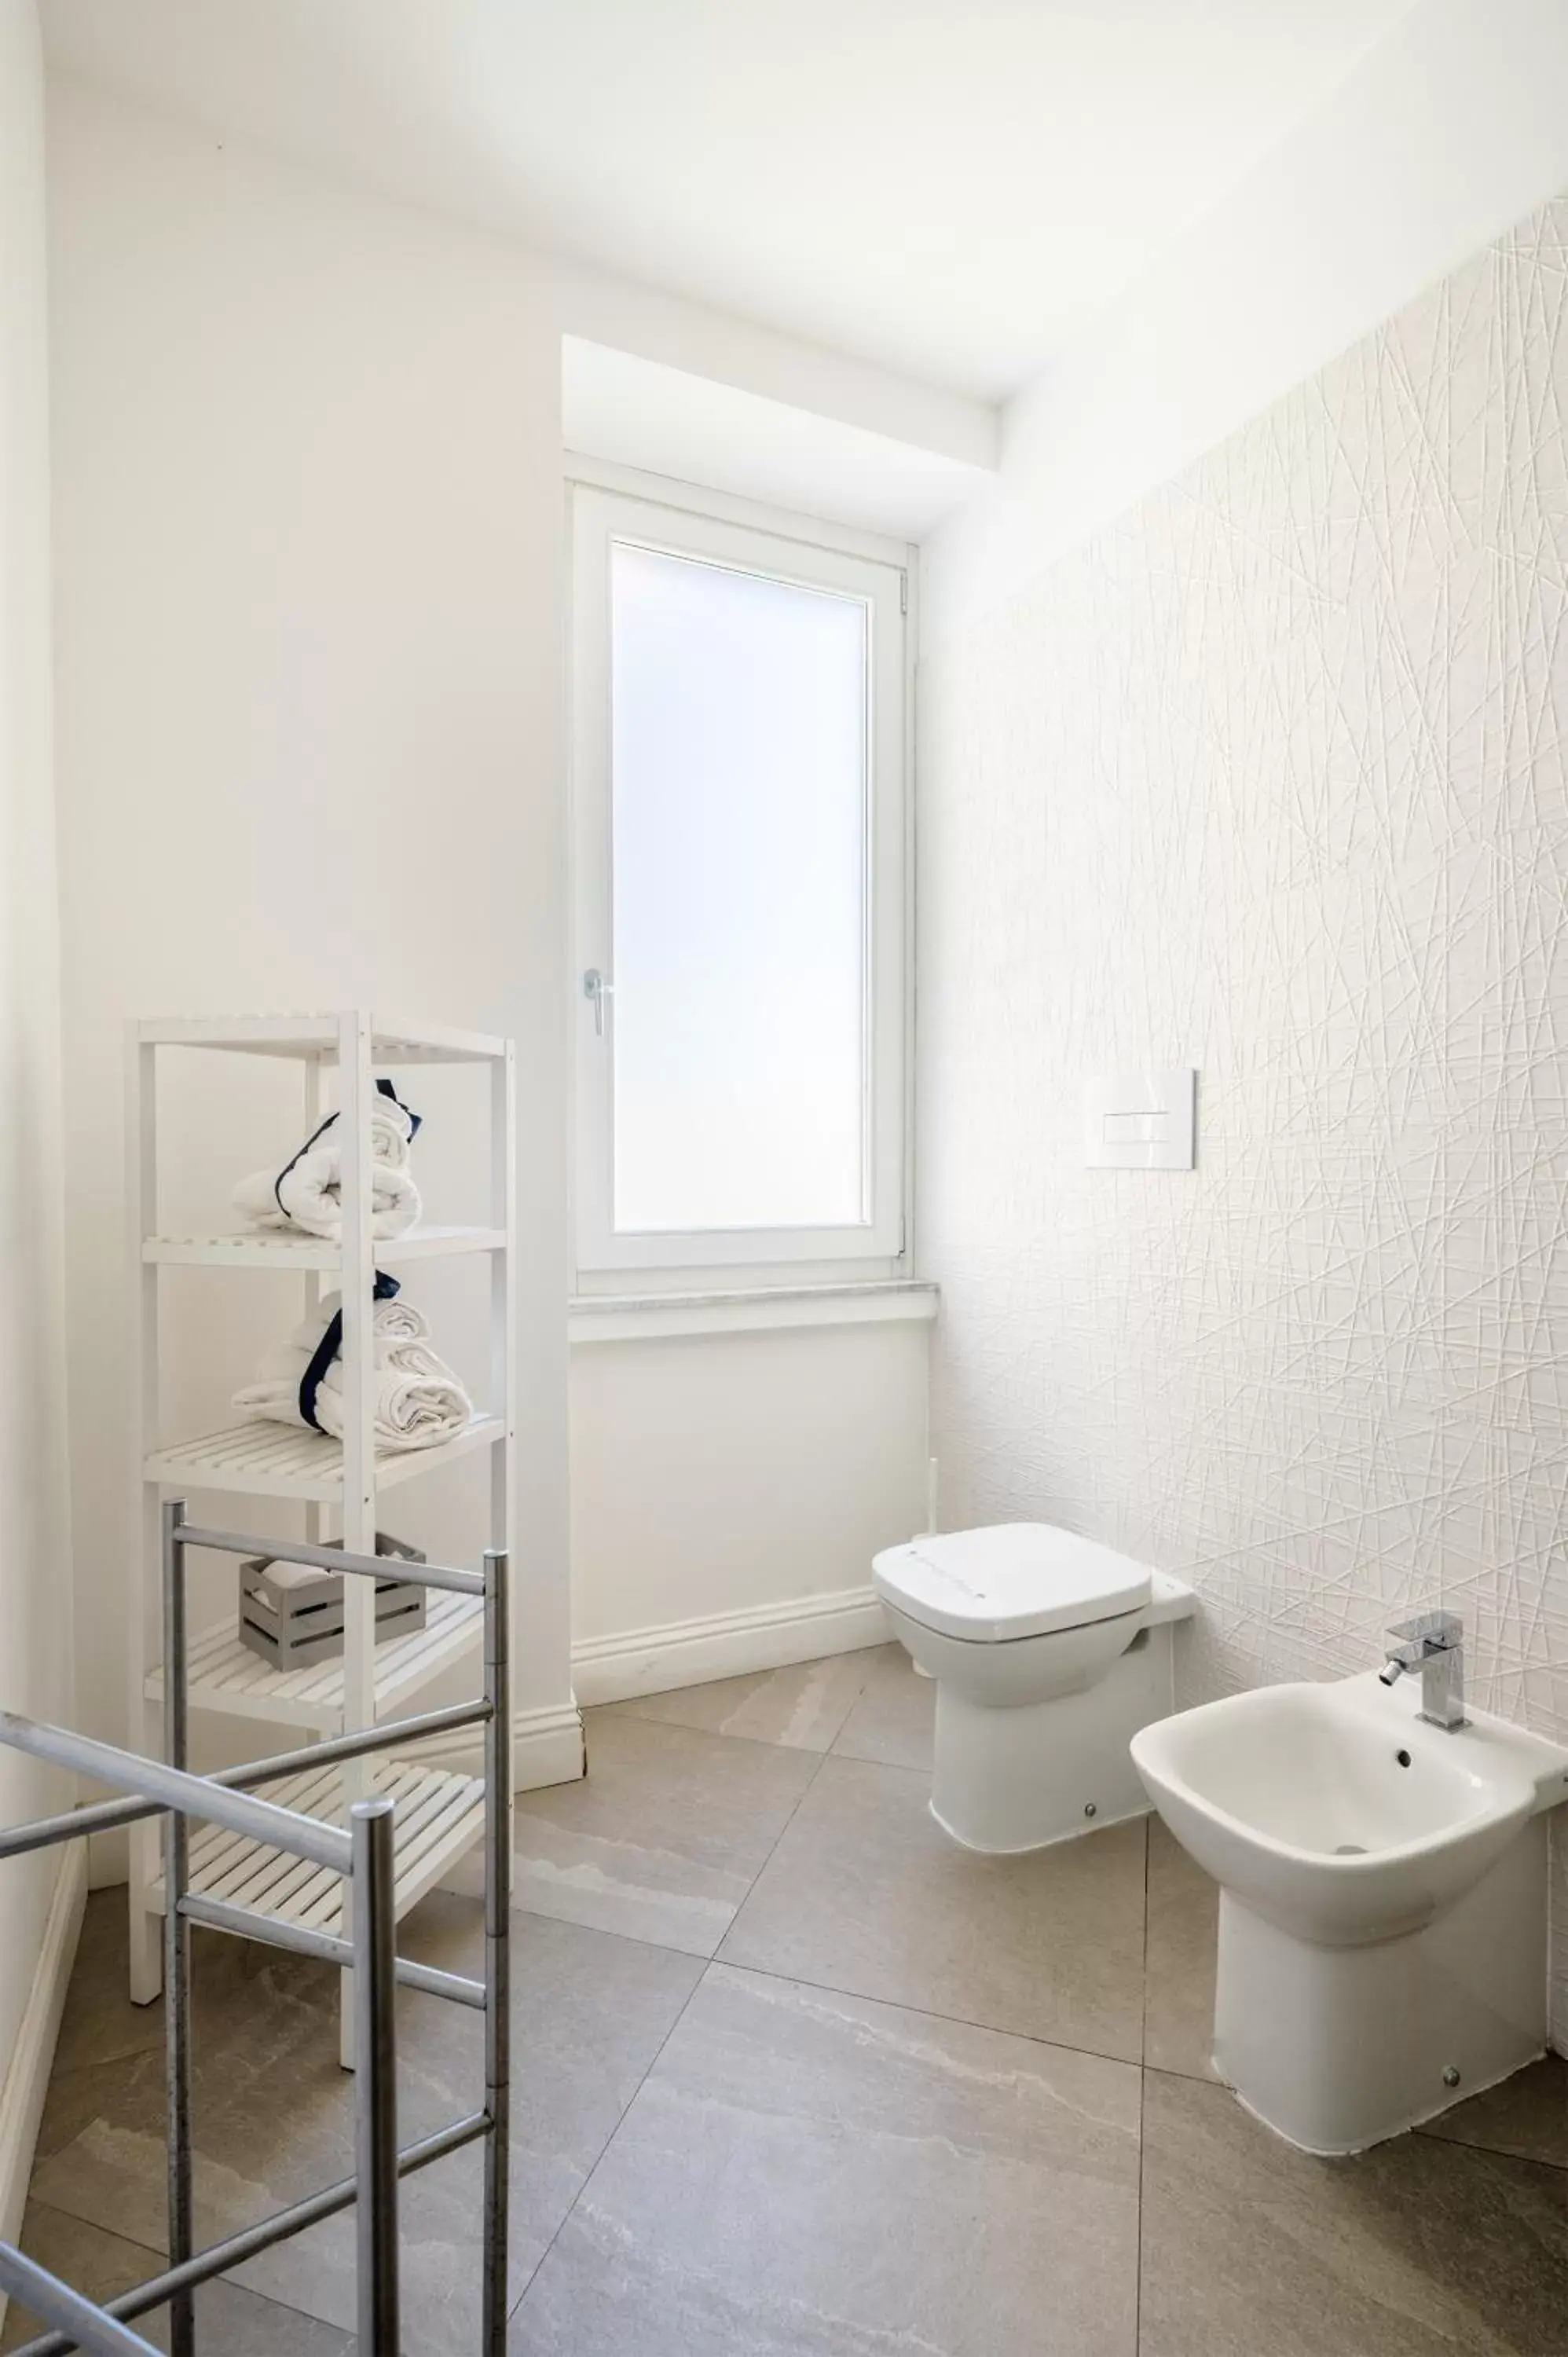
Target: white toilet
{"x":1049,"y":1652}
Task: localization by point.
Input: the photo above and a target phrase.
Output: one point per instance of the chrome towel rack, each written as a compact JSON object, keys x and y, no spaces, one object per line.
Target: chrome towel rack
{"x":364,"y":1854}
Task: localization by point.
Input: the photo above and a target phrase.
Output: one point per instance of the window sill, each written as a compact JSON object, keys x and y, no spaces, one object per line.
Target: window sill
{"x":655,"y":1317}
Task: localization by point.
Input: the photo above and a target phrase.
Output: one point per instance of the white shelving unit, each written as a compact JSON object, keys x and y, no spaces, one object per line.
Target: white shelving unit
{"x":440,"y":1812}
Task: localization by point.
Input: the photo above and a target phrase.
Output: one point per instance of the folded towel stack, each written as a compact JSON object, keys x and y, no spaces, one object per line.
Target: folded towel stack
{"x":400,"y":1335}
{"x":307,"y":1194}
{"x":418,"y":1401}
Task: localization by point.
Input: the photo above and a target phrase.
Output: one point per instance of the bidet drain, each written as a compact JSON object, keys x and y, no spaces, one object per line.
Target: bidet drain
{"x":1350,"y":1849}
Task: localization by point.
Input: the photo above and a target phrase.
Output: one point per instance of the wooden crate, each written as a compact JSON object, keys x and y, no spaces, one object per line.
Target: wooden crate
{"x":292,"y":1627}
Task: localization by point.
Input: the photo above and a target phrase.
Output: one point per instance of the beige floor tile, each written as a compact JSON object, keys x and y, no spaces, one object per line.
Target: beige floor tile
{"x":273,"y":2113}
{"x":100,"y":2023}
{"x":852,"y":2141}
{"x":1180,"y":1955}
{"x":662,"y":1839}
{"x":270,"y":2106}
{"x":228,"y":2319}
{"x":895,"y":1719}
{"x":802,"y":1706}
{"x":1420,"y":2248}
{"x":808,"y":2174}
{"x":1526,"y":2116}
{"x":866,"y":1893}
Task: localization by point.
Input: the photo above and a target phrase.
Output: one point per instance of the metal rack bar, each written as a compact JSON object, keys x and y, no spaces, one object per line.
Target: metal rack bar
{"x":365,"y":1854}
{"x":168,"y":1788}
{"x":87,"y":2325}
{"x":177,"y":1942}
{"x":369,"y":1842}
{"x":375,"y":2075}
{"x":249,"y":1923}
{"x":102,"y":1816}
{"x":221,"y":2258}
{"x":498,"y":1943}
{"x":326,"y":1558}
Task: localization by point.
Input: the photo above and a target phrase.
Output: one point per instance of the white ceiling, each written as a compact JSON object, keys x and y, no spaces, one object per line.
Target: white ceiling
{"x":949,"y":187}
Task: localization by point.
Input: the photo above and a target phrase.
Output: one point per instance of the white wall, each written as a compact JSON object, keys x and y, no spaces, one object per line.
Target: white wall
{"x":1269,"y":776}
{"x":308,"y":518}
{"x":1453,"y":128}
{"x":728,"y":1492}
{"x":309,"y":539}
{"x":35,"y":1527}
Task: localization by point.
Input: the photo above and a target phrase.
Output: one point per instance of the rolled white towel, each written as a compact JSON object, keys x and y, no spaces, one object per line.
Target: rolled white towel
{"x":391,"y":1131}
{"x":396,"y":1320}
{"x":411,"y":1358}
{"x":417,"y":1400}
{"x":402,"y":1335}
{"x":306,"y":1192}
{"x":308,"y":1195}
{"x":408,"y":1411}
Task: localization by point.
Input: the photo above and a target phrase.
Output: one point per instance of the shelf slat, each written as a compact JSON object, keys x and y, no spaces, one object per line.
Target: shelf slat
{"x":276,"y":1460}
{"x":440,"y":1815}
{"x":392,"y":1040}
{"x":225,"y":1675}
{"x":269,"y":1248}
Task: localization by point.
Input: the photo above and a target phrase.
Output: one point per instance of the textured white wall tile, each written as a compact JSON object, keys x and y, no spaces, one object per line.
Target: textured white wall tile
{"x":1269,"y":777}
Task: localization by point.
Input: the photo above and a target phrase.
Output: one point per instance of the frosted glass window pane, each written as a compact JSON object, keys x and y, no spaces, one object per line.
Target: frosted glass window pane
{"x":739,"y":802}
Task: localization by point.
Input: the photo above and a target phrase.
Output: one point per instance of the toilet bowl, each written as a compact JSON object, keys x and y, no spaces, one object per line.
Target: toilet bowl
{"x":1049,"y":1652}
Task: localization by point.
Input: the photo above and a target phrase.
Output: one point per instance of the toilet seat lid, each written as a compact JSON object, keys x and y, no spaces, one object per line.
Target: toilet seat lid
{"x":1010,"y":1579}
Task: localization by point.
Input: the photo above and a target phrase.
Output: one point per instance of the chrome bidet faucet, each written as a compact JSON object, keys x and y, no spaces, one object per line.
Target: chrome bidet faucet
{"x":1434,"y":1644}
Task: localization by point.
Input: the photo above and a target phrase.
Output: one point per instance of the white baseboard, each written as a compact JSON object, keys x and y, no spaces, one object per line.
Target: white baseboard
{"x":28,"y":2071}
{"x":546,"y":1748}
{"x":726,"y":1645}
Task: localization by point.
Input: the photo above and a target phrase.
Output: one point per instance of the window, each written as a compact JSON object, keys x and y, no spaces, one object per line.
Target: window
{"x":739,"y":703}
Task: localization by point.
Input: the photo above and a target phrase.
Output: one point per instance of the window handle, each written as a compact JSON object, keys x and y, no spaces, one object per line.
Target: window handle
{"x":596,"y":989}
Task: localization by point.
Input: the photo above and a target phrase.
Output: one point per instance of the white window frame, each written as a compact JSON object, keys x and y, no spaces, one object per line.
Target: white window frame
{"x":694,"y":524}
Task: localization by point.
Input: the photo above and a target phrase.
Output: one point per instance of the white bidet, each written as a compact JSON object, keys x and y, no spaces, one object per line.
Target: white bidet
{"x":1383,"y":1912}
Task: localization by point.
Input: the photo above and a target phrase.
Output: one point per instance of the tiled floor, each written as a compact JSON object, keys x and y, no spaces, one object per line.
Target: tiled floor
{"x":796,"y":2077}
